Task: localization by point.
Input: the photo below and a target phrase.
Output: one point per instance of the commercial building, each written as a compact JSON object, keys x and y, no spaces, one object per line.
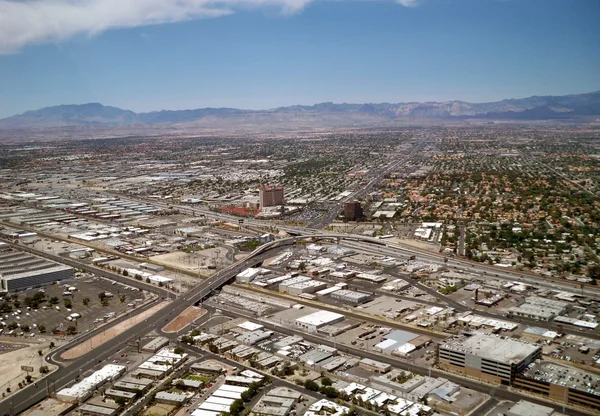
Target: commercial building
{"x":539,"y":308}
{"x":316,"y":320}
{"x":376,"y":366}
{"x":525,"y":408}
{"x":93,"y":410}
{"x":170,"y":398}
{"x":352,"y":210}
{"x":156,"y":344}
{"x":19,"y":271}
{"x":492,"y":358}
{"x":84,"y":389}
{"x":350,"y":297}
{"x":270,"y":196}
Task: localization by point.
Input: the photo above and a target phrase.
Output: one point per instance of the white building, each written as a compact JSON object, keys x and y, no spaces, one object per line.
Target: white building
{"x":84,"y":389}
{"x":318,"y":319}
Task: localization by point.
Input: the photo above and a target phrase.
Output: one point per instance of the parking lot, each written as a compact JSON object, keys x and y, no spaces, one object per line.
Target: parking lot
{"x":70,"y":307}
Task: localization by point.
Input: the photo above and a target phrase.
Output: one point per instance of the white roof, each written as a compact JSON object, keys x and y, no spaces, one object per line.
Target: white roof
{"x":214,"y":407}
{"x":227,"y":394}
{"x":320,"y":318}
{"x":405,"y":349}
{"x":200,"y":412}
{"x":250,"y":326}
{"x":89,"y":383}
{"x":220,"y":400}
{"x":236,"y":389}
{"x":385,"y":344}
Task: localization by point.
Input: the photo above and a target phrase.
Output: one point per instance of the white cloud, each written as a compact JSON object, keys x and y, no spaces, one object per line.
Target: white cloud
{"x":408,"y":3}
{"x":25,"y":22}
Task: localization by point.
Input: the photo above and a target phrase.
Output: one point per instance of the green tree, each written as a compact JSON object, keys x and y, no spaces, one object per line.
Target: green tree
{"x":311,"y":385}
{"x":42,"y":329}
{"x":326,"y":381}
{"x":53,"y":300}
{"x":179,"y":350}
{"x":85,"y":301}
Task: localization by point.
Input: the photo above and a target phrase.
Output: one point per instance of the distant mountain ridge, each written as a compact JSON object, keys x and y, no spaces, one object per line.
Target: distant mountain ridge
{"x":532,"y":108}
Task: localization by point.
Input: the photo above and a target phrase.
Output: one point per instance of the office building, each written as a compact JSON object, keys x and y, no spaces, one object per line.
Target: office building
{"x":270,"y":196}
{"x":492,"y":358}
{"x":352,"y":210}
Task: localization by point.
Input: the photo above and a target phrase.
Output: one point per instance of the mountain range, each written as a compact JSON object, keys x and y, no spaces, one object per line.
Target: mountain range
{"x":566,"y":107}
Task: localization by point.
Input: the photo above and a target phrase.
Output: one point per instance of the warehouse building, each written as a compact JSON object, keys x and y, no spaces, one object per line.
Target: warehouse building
{"x":82,"y":390}
{"x":350,"y":297}
{"x":316,"y":320}
{"x":19,"y":271}
{"x":156,"y":344}
{"x":492,"y":358}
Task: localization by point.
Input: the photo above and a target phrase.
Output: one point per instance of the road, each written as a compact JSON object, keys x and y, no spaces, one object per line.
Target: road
{"x":36,"y":392}
{"x":496,"y":391}
{"x":32,"y":394}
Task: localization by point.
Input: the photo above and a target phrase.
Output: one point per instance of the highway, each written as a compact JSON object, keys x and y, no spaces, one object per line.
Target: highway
{"x":27,"y":397}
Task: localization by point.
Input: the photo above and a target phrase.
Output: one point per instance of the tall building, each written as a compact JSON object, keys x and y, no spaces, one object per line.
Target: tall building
{"x":353,"y":210}
{"x":270,"y":196}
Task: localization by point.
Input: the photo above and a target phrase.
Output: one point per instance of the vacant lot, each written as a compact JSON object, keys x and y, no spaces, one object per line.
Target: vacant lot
{"x":184,"y":319}
{"x":109,"y":333}
{"x":159,"y":409}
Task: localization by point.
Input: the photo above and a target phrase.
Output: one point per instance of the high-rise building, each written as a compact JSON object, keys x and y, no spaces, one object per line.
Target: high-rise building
{"x":270,"y":196}
{"x":353,"y":210}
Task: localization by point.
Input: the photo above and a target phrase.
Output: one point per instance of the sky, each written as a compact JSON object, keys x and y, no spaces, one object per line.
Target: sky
{"x":147,"y":55}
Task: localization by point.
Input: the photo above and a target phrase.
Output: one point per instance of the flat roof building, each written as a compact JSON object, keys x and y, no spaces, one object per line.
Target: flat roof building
{"x":316,"y":320}
{"x":270,"y":196}
{"x":156,"y":344}
{"x":492,"y":358}
{"x":350,"y":297}
{"x":19,"y":271}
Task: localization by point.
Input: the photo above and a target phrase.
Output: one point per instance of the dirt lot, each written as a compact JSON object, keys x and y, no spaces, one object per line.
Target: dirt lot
{"x":191,"y":261}
{"x":23,"y":353}
{"x":184,"y":319}
{"x":159,"y":409}
{"x":110,"y":333}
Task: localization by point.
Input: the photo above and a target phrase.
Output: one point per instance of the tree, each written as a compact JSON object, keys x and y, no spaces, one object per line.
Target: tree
{"x":125,"y":273}
{"x":121,"y":401}
{"x":85,"y":301}
{"x":302,"y":266}
{"x":42,"y":329}
{"x":52,"y":345}
{"x":71,"y":330}
{"x":102,"y":296}
{"x":236,"y":408}
{"x":68,"y":303}
{"x":122,"y":298}
{"x":179,"y":350}
{"x":5,"y":307}
{"x":44,"y":369}
{"x":25,"y":328}
{"x":311,"y":385}
{"x":213,"y":348}
{"x":326,"y":381}
{"x":28,"y":379}
{"x":53,"y":300}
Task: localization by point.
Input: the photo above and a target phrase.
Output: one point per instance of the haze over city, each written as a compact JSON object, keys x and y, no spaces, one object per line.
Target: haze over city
{"x":153,"y":55}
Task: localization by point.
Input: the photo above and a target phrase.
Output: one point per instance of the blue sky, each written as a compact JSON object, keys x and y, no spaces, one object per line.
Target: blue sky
{"x":268,"y":53}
